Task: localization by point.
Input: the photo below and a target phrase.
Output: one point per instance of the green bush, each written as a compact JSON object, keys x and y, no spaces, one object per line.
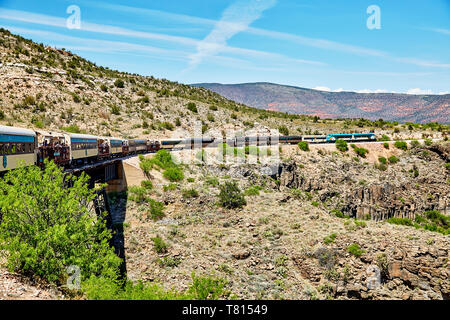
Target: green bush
{"x":253,"y":191}
{"x":192,"y":107}
{"x":400,"y":221}
{"x":230,"y":196}
{"x":355,"y":249}
{"x":337,"y":213}
{"x":360,"y":151}
{"x":401,"y":145}
{"x":119,"y":83}
{"x":393,"y":159}
{"x":115,"y":110}
{"x":51,"y":228}
{"x":156,"y":209}
{"x":341,"y":145}
{"x":283,"y":130}
{"x":303,"y":145}
{"x":384,"y":138}
{"x":414,"y":144}
{"x":137,"y":194}
{"x":201,"y":288}
{"x":174,"y":174}
{"x":190,"y":193}
{"x":147,"y":184}
{"x":382,"y":160}
{"x":159,"y":245}
{"x":428,"y":142}
{"x":330,"y":239}
{"x":386,"y":145}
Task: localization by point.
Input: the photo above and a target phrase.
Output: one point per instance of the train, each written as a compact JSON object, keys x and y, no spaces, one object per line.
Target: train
{"x":19,"y":146}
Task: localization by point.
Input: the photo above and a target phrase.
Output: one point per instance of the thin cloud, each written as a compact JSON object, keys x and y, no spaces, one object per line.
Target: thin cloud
{"x":47,"y":20}
{"x":235,"y":19}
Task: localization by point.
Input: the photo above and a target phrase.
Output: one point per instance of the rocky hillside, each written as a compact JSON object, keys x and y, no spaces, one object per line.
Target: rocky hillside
{"x":388,"y":106}
{"x":317,"y":225}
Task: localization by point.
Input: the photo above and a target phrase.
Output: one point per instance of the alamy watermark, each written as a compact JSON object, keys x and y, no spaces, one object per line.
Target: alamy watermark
{"x":374,"y":20}
{"x":74,"y":20}
{"x":74,"y":279}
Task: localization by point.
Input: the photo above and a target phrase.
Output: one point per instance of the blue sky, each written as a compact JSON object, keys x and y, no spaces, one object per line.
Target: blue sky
{"x":308,"y":43}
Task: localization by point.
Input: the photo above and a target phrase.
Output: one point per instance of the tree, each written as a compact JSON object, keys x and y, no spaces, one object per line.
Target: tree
{"x":47,"y":227}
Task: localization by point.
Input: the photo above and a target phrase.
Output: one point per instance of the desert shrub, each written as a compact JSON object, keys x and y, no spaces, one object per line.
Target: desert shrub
{"x":428,"y":142}
{"x":230,"y":196}
{"x":386,"y":145}
{"x":401,"y":145}
{"x":327,"y":257}
{"x":147,"y":184}
{"x":360,"y":151}
{"x":170,"y":187}
{"x":330,"y":239}
{"x":208,"y":288}
{"x":414,"y":144}
{"x":137,"y":194}
{"x":190,"y":193}
{"x":72,"y":129}
{"x":381,"y":167}
{"x":156,"y":209}
{"x":253,"y":191}
{"x":393,"y":159}
{"x":400,"y":221}
{"x":115,"y":110}
{"x":76,"y":98}
{"x":212,"y":181}
{"x":341,"y":145}
{"x":104,"y":88}
{"x":2,"y":115}
{"x":159,"y":245}
{"x":303,"y":145}
{"x":384,"y":138}
{"x":438,"y":218}
{"x":210,"y":117}
{"x":337,"y":213}
{"x":51,"y":227}
{"x":119,"y":83}
{"x":382,"y":160}
{"x":174,"y":174}
{"x":283,"y":130}
{"x":355,"y":249}
{"x":192,"y":107}
{"x":202,"y":288}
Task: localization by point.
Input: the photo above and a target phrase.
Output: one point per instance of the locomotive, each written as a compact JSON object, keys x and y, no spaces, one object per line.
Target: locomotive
{"x":28,"y":147}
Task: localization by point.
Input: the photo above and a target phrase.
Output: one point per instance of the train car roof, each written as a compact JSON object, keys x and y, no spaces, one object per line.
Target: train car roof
{"x":83,"y":136}
{"x":350,"y":134}
{"x":50,"y":133}
{"x":17,"y":131}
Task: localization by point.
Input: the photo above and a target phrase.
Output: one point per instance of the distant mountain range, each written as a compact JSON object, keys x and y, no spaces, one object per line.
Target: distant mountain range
{"x":388,"y":106}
